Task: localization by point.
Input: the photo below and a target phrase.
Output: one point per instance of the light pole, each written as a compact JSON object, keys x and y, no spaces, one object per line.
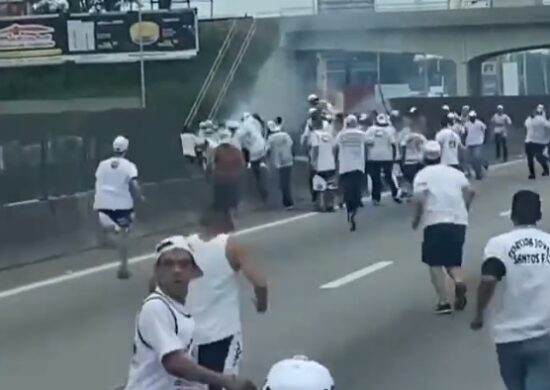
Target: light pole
{"x":143,"y":86}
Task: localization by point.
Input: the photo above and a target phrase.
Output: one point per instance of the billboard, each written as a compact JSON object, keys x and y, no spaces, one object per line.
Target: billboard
{"x":98,"y":38}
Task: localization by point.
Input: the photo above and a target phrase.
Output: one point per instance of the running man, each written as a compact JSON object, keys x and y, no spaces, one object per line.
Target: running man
{"x":165,"y":356}
{"x":299,"y":373}
{"x":350,"y":152}
{"x":214,"y":298}
{"x":450,"y":142}
{"x":514,"y":290}
{"x":536,"y":140}
{"x":116,"y":187}
{"x":443,"y":196}
{"x":412,"y":156}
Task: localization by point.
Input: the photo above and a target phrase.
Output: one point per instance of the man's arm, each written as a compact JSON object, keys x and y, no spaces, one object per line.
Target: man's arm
{"x":240,"y":261}
{"x":418,"y":204}
{"x":492,"y":271}
{"x":179,"y":365}
{"x":468,"y":194}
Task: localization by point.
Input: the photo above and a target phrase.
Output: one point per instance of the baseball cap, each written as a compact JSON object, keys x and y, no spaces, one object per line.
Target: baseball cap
{"x":500,"y":107}
{"x":472,"y":114}
{"x":176,"y":242}
{"x":299,"y":373}
{"x":312,"y":97}
{"x":350,"y":120}
{"x":382,"y":119}
{"x":432,"y":150}
{"x":120,"y":144}
{"x":445,"y":107}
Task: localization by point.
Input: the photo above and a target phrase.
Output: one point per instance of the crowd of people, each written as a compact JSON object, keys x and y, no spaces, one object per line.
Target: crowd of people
{"x":188,"y":330}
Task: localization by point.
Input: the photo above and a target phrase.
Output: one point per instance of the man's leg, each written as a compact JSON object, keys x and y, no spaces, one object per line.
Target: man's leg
{"x":538,"y":363}
{"x":122,"y":247}
{"x":437,"y":276}
{"x":477,"y":152}
{"x":387,"y":168}
{"x":497,"y":145}
{"x":504,"y":148}
{"x":285,"y":181}
{"x":512,"y":366}
{"x":375,"y":169}
{"x":257,"y":171}
{"x":214,"y":355}
{"x":530,"y":153}
{"x":541,"y":158}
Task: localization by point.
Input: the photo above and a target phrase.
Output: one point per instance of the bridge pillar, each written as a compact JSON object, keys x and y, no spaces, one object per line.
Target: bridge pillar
{"x":468,"y":78}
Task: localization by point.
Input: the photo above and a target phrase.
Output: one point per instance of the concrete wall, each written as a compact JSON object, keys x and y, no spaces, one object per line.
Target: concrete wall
{"x":41,"y":230}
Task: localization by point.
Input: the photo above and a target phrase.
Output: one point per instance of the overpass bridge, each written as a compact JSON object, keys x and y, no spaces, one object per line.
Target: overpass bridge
{"x":466,"y":36}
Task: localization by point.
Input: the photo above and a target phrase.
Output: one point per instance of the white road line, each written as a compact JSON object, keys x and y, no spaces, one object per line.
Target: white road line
{"x":138,"y":259}
{"x":506,"y":213}
{"x":352,"y":277}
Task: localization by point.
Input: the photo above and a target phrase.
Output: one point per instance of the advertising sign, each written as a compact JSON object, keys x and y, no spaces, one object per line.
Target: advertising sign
{"x":98,"y":38}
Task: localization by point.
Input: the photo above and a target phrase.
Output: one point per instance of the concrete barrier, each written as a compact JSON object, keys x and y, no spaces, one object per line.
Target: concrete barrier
{"x":40,"y":230}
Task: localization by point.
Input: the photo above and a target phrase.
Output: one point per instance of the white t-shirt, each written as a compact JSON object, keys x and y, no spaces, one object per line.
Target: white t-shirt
{"x":188,"y":144}
{"x":351,"y":150}
{"x":380,"y":141}
{"x":538,"y":130}
{"x":450,"y":143}
{"x":251,"y":138}
{"x":414,"y":147}
{"x":442,"y":186}
{"x":279,"y":145}
{"x":520,"y":308}
{"x":501,"y":122}
{"x":214,"y":298}
{"x":324,"y":141}
{"x":112,"y":186}
{"x":475,"y":132}
{"x":155,"y":337}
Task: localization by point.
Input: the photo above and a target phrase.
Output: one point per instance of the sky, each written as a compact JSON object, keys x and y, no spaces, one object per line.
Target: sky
{"x":253,"y":7}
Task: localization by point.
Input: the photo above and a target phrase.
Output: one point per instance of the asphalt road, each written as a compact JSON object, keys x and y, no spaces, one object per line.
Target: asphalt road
{"x":376,"y":332}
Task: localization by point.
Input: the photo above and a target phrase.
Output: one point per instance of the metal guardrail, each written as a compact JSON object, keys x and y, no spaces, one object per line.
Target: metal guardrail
{"x":211,"y":74}
{"x":234,"y":67}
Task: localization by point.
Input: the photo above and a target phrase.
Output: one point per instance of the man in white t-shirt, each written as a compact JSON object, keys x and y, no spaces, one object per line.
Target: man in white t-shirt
{"x":501,"y":122}
{"x":514,"y":291}
{"x":250,"y":136}
{"x":165,"y":354}
{"x":299,"y":373}
{"x":350,"y":154}
{"x":116,"y":187}
{"x":450,"y":142}
{"x":280,"y":154}
{"x":536,"y":140}
{"x":442,"y":199}
{"x":381,"y":154}
{"x":475,"y":139}
{"x":324,"y":164}
{"x":214,"y":298}
{"x":189,"y":145}
{"x":412,"y":156}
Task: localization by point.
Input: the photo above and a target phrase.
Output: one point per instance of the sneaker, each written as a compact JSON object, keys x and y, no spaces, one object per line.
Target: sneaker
{"x":460,"y":296}
{"x":123,"y":274}
{"x":443,"y":308}
{"x":376,"y":203}
{"x":532,"y":177}
{"x":397,"y":200}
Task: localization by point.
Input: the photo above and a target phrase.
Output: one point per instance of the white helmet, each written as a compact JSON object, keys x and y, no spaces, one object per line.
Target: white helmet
{"x":299,"y":373}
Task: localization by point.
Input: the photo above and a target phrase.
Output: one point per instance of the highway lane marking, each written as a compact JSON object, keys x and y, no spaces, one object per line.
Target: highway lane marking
{"x":352,"y":277}
{"x":138,"y":259}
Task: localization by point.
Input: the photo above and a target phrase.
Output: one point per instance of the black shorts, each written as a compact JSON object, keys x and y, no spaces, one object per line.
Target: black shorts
{"x":443,"y":245}
{"x":410,"y":171}
{"x":123,"y":218}
{"x":222,"y":356}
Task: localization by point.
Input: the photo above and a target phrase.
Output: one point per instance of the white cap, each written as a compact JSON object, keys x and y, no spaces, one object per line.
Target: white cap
{"x":175,"y":242}
{"x":466,"y":107}
{"x":299,"y":373}
{"x":351,"y":120}
{"x":382,"y":119}
{"x":312,"y":97}
{"x":272,"y":126}
{"x":225,"y":136}
{"x":540,"y":108}
{"x":120,"y":144}
{"x":312,"y":110}
{"x":395,"y":113}
{"x":232,"y":124}
{"x":472,"y":114}
{"x":500,"y":107}
{"x":432,"y":150}
{"x":451,"y":116}
{"x":445,"y":107}
{"x":413,"y":110}
{"x":363,"y":117}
